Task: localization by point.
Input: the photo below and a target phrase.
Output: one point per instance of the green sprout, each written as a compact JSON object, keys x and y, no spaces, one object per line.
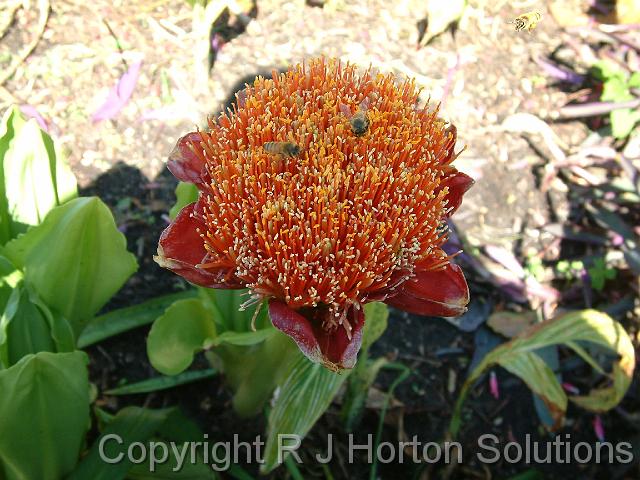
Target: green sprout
{"x":617,"y":86}
{"x":600,"y":273}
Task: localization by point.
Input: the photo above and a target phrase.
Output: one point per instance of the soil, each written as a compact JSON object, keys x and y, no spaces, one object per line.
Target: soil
{"x":482,"y":74}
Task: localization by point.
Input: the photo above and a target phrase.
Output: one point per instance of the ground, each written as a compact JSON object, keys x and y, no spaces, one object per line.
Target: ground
{"x":482,"y":74}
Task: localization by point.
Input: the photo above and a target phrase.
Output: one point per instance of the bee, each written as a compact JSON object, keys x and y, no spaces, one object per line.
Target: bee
{"x":527,"y":20}
{"x":360,"y":120}
{"x":286,"y":149}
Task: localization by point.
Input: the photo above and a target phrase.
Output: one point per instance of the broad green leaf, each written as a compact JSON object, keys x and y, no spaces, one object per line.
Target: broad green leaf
{"x":165,"y":470}
{"x":44,"y":415}
{"x":622,"y":122}
{"x":76,"y":259}
{"x":604,"y":69}
{"x":127,"y":318}
{"x":519,"y":357}
{"x":615,"y":89}
{"x":305,"y":393}
{"x":376,"y":316}
{"x":243,"y":339}
{"x":162,"y":383}
{"x":226,"y":305}
{"x":28,"y":326}
{"x":179,"y":429}
{"x":254,"y":371}
{"x":12,"y":122}
{"x":186,"y":193}
{"x":185,"y":328}
{"x":35,"y":177}
{"x":131,"y":424}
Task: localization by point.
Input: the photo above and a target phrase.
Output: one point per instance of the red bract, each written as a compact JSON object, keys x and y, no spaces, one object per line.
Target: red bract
{"x":352,"y":218}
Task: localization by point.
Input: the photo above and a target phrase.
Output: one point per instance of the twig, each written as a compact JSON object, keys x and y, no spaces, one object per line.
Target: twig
{"x":115,"y":37}
{"x":45,"y":7}
{"x":594,"y":109}
{"x":608,"y":28}
{"x":624,"y":41}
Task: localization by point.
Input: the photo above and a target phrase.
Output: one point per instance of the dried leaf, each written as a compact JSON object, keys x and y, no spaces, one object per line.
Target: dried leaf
{"x":511,"y":324}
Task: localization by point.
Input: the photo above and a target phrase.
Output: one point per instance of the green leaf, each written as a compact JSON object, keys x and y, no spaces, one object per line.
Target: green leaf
{"x":520,"y":358}
{"x":634,"y":80}
{"x":305,"y":393}
{"x":226,"y":306}
{"x":185,"y":328}
{"x":622,"y":122}
{"x":162,"y":383}
{"x":12,"y":122}
{"x":254,"y":371}
{"x":186,"y":193}
{"x":44,"y":411}
{"x":604,"y":69}
{"x":244,"y":339}
{"x":28,"y":326}
{"x":76,"y":259}
{"x":615,"y":89}
{"x":35,"y":178}
{"x":125,"y":319}
{"x":376,"y":316}
{"x":131,"y":424}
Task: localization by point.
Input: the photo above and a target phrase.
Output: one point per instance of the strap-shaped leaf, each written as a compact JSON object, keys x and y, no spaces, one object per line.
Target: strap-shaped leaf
{"x":44,"y":415}
{"x":518,"y":357}
{"x":304,"y":395}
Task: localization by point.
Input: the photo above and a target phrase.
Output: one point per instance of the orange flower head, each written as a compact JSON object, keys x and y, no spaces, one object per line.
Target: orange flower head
{"x":322,"y":190}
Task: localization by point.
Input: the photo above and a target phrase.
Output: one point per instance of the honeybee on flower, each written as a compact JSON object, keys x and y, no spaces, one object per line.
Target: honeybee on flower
{"x":362,"y":219}
{"x":286,"y":149}
{"x":359,"y":121}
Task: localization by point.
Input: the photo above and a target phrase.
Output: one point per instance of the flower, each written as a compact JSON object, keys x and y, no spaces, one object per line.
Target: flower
{"x":348,"y":220}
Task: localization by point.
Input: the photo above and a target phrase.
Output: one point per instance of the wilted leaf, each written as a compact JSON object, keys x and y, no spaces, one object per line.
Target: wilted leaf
{"x":305,"y":393}
{"x":476,"y":314}
{"x":76,"y":260}
{"x":44,"y":410}
{"x":185,"y":328}
{"x":519,"y":357}
{"x":511,"y":324}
